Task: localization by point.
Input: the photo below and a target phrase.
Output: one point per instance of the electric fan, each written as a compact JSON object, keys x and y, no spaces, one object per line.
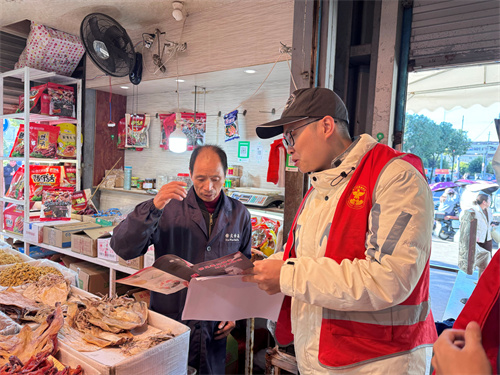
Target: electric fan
{"x":109,"y":46}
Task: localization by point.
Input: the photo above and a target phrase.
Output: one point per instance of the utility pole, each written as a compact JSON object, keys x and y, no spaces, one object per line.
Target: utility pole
{"x":485,"y":156}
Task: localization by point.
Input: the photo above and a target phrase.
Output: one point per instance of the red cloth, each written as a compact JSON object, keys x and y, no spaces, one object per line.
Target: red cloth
{"x":212,"y":205}
{"x":273,"y":170}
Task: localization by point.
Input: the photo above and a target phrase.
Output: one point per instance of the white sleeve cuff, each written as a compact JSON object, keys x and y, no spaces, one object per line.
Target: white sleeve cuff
{"x":286,"y":277}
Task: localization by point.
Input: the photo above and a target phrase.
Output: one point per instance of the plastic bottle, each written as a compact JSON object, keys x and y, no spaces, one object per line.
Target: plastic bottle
{"x":128,"y":178}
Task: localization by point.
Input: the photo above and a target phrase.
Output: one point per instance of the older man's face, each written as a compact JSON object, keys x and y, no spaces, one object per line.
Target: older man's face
{"x":208,"y":175}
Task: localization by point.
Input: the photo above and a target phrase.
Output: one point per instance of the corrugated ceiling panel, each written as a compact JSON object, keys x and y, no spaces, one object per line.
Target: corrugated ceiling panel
{"x":454,"y":32}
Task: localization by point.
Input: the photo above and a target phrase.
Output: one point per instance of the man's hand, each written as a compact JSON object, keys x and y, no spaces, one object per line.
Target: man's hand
{"x":225,"y":329}
{"x":460,"y":352}
{"x":266,"y":273}
{"x":172,"y":190}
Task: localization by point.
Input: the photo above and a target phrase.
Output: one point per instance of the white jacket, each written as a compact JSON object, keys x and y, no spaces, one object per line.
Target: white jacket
{"x":483,"y":233}
{"x":381,"y":280}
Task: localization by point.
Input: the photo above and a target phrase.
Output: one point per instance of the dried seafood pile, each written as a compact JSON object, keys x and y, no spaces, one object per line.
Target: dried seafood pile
{"x":28,"y":343}
{"x":138,"y":345}
{"x":23,"y":273}
{"x":8,"y":258}
{"x":49,"y":289}
{"x":41,"y":364}
{"x":15,"y":305}
{"x":102,"y":322}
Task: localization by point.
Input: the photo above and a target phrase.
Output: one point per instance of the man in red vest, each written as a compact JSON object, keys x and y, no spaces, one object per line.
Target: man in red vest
{"x":355,"y":271}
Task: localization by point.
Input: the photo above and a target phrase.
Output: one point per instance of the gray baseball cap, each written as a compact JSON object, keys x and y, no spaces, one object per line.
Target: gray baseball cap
{"x":316,"y":102}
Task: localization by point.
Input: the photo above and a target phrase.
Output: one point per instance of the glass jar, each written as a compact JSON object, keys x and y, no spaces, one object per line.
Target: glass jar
{"x":140,"y":182}
{"x":184,"y":177}
{"x":148,"y":184}
{"x":133,"y":182}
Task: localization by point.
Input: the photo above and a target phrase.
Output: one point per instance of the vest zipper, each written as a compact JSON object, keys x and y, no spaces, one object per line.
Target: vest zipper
{"x":210,"y":222}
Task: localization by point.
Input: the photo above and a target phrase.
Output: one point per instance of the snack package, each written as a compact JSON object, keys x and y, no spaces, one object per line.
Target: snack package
{"x":231,"y":126}
{"x":43,"y":141}
{"x":51,"y":99}
{"x":43,"y":176}
{"x":13,"y":218}
{"x":56,"y":204}
{"x":81,"y":203}
{"x":18,"y":147}
{"x":264,"y":234}
{"x":66,"y":142}
{"x":68,"y":177}
{"x":16,"y":188}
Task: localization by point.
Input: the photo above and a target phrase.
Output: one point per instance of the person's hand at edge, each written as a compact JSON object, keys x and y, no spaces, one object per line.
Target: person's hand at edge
{"x":266,"y":273}
{"x":459,"y":351}
{"x":172,"y":190}
{"x":225,"y":329}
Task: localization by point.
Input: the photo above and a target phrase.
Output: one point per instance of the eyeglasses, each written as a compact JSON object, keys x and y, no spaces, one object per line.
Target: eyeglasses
{"x":288,"y":140}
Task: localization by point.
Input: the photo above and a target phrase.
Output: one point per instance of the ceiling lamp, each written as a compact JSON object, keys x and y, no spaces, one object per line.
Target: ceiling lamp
{"x":177,"y":12}
{"x":177,"y":142}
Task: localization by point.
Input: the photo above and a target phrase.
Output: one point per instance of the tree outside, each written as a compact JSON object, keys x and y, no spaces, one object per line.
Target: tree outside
{"x":476,"y":165}
{"x":428,"y":140}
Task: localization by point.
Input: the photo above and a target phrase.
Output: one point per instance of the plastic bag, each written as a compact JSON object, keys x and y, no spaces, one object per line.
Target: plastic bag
{"x":56,"y":204}
{"x":66,"y":142}
{"x":16,"y":188}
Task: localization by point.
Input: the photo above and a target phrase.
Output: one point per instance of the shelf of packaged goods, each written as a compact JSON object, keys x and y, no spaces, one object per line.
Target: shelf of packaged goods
{"x":67,"y":251}
{"x":40,"y":118}
{"x":12,"y":200}
{"x":132,"y":190}
{"x":276,"y":215}
{"x":41,"y":160}
{"x":40,"y":76}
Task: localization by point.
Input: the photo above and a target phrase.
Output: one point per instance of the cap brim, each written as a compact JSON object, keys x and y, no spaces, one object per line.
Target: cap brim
{"x":274,"y":128}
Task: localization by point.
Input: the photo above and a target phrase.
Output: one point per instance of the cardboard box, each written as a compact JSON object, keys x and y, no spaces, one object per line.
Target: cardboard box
{"x":136,"y":263}
{"x":169,"y":357}
{"x":51,"y":50}
{"x":85,"y":242}
{"x":104,"y":250}
{"x":68,"y":260}
{"x":60,"y":235}
{"x":91,"y":277}
{"x":33,"y":232}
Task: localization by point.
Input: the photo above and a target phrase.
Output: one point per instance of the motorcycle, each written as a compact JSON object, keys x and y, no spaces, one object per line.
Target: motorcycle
{"x":449,"y":224}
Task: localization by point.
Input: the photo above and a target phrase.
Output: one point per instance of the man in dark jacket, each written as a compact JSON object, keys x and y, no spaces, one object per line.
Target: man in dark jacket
{"x":198,"y":225}
{"x":8,"y":172}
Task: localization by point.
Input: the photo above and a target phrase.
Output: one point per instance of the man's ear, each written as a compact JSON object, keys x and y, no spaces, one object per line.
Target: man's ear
{"x":329,"y":127}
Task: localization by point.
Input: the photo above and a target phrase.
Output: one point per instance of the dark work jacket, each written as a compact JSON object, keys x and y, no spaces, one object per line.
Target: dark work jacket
{"x":180,"y":229}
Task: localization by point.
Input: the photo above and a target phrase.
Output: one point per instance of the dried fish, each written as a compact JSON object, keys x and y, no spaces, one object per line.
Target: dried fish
{"x":49,"y":289}
{"x":28,"y":343}
{"x":16,"y":305}
{"x":138,"y":345}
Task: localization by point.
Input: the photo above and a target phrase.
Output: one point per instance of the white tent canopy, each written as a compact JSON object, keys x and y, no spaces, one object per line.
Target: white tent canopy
{"x":453,"y":87}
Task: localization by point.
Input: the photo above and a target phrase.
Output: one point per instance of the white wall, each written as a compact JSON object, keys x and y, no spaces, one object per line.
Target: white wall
{"x":150,"y":162}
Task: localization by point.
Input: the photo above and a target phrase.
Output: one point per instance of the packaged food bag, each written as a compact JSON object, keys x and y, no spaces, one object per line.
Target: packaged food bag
{"x":66,"y":141}
{"x":43,"y":176}
{"x":16,"y":188}
{"x":231,"y":126}
{"x":56,"y":203}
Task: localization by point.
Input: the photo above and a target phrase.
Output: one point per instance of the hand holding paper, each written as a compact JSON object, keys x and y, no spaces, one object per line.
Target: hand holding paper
{"x":266,"y":273}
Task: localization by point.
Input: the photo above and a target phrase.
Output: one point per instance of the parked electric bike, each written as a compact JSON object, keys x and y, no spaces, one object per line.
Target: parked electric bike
{"x":448,"y":224}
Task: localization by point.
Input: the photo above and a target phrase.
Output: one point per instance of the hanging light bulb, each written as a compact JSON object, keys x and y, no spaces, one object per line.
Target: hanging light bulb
{"x":177,"y":142}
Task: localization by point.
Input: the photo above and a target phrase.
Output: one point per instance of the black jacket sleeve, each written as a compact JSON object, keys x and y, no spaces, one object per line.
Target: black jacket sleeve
{"x":132,"y":237}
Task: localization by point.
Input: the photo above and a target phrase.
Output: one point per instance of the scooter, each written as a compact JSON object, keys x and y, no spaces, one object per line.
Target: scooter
{"x":449,"y":224}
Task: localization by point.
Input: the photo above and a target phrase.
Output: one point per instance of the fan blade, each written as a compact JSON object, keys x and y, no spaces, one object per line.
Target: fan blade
{"x":120,"y":49}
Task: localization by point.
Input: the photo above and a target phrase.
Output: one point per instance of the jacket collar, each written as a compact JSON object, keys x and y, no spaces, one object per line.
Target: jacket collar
{"x":328,"y":179}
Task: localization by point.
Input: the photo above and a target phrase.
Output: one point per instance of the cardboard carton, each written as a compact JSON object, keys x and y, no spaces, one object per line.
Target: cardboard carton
{"x":104,"y":250}
{"x":33,"y":232}
{"x":142,"y":296}
{"x":169,"y":357}
{"x":136,"y":263}
{"x":60,"y":235}
{"x":91,"y":277}
{"x":85,"y":242}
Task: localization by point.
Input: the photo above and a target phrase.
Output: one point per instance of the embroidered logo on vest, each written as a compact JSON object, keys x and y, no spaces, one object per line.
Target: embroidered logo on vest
{"x":357,"y":199}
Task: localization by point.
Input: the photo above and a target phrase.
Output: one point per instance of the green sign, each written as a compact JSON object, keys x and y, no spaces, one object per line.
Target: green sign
{"x":244,"y":150}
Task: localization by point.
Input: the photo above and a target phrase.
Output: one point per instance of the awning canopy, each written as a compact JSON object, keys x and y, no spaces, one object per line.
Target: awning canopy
{"x":453,"y":87}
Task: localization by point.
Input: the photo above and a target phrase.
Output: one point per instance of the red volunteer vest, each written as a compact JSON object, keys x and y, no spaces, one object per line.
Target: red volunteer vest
{"x":346,"y":342}
{"x":483,"y":307}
